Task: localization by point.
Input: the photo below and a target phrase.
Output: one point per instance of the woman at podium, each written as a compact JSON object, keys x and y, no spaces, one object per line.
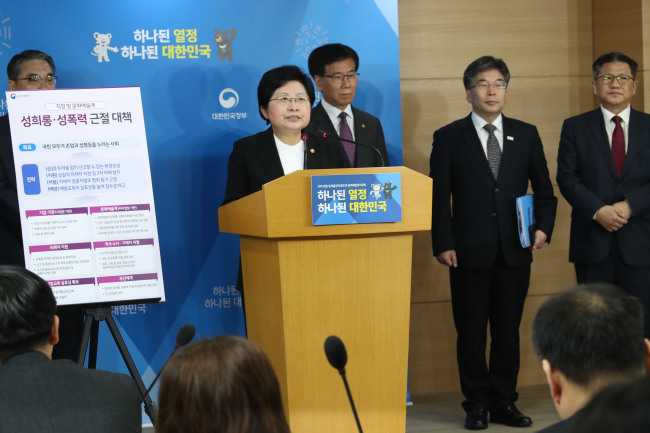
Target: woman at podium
{"x":285,"y":96}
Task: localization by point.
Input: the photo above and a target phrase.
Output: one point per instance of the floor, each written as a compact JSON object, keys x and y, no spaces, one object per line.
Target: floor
{"x":442,"y":413}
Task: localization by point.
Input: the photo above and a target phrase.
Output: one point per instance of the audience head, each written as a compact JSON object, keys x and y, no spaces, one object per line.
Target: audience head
{"x":589,"y":337}
{"x":334,"y":68}
{"x":619,"y":408}
{"x":31,"y":69}
{"x":484,"y":64}
{"x":222,"y":384}
{"x":286,"y":80}
{"x":27,"y":312}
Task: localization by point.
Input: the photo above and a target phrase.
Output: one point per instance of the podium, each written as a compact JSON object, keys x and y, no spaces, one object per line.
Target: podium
{"x":303,"y":283}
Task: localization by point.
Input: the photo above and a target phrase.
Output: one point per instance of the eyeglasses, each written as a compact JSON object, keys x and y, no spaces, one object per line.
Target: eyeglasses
{"x":35,"y":78}
{"x":609,"y":79}
{"x":485,"y":85}
{"x":285,"y":100}
{"x":338,"y":78}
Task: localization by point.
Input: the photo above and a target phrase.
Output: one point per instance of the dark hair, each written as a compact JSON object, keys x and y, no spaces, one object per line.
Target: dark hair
{"x":224,"y":384}
{"x":482,"y":64}
{"x":27,"y":309}
{"x":275,"y":78}
{"x":327,"y":54}
{"x":16,"y":62}
{"x":620,"y":408}
{"x":591,"y":331}
{"x":611,"y":58}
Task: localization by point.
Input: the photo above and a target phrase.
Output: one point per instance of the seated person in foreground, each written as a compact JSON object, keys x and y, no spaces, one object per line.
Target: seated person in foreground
{"x":222,"y":384}
{"x":620,"y":408}
{"x":39,"y":395}
{"x":589,"y":337}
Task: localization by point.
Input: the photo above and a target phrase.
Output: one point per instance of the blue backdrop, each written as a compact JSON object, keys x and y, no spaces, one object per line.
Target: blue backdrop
{"x":196,"y":104}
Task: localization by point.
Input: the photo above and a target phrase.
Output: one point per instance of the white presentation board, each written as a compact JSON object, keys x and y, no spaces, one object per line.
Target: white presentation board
{"x":85,"y":194}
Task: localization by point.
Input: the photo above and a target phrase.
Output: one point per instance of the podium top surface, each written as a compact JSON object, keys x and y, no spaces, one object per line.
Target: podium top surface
{"x":282,"y":209}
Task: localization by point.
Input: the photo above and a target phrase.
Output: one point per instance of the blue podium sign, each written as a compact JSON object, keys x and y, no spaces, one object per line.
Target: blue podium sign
{"x":356,"y":198}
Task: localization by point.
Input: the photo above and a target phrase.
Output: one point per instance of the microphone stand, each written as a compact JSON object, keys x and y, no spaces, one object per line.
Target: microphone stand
{"x":354,"y":409}
{"x":381,"y":157}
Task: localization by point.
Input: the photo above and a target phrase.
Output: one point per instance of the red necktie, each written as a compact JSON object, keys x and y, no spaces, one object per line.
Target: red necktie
{"x":618,"y":146}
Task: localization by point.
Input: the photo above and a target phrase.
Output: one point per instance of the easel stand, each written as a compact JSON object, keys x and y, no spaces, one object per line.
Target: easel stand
{"x":91,"y":333}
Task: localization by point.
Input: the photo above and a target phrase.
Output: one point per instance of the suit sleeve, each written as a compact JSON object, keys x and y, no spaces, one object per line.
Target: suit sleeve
{"x":440,"y":171}
{"x":381,"y":145}
{"x":9,"y":211}
{"x":585,"y":203}
{"x":544,"y":201}
{"x":639,"y":200}
{"x":132,"y":413}
{"x":237,"y":180}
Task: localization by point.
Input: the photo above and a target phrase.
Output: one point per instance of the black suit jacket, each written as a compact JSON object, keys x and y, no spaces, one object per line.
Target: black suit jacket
{"x":587,"y":179}
{"x":38,"y":395}
{"x":11,"y":250}
{"x":483,"y":215}
{"x":367,"y":130}
{"x":254,"y":161}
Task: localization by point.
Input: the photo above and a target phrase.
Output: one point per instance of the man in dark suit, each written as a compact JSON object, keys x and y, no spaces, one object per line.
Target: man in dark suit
{"x":482,"y":163}
{"x":589,"y":337}
{"x":29,"y":70}
{"x":603,"y":171}
{"x":334,"y":69}
{"x":40,"y":395}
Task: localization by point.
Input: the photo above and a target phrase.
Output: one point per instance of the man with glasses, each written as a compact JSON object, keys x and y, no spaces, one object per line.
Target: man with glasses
{"x":334,"y":70}
{"x":29,"y":70}
{"x":603,"y":171}
{"x":482,"y":163}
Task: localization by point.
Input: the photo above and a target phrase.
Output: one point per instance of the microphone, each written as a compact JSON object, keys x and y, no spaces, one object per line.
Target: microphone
{"x":184,"y":336}
{"x":356,"y":143}
{"x":304,"y":161}
{"x":337,"y":356}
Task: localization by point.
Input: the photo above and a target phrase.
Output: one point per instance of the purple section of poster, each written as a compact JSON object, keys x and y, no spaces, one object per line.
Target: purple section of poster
{"x":126,"y":278}
{"x":121,"y":208}
{"x":71,"y":282}
{"x":123,"y":243}
{"x":52,"y":212}
{"x":60,"y":247}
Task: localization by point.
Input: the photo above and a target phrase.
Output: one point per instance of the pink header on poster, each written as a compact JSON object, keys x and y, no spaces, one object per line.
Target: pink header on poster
{"x":71,"y":282}
{"x":59,"y":247}
{"x":123,"y":243}
{"x":120,"y":208}
{"x":126,"y":278}
{"x":51,"y":212}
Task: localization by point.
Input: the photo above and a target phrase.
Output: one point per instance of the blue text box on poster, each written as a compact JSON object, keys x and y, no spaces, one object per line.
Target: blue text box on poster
{"x":356,"y":198}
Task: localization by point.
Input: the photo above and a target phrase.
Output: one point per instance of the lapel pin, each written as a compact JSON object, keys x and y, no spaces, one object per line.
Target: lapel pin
{"x":363,"y":125}
{"x":312,"y":151}
{"x":510,"y":137}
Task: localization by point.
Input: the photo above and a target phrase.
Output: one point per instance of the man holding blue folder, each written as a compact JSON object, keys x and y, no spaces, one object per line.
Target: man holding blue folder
{"x":482,"y":163}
